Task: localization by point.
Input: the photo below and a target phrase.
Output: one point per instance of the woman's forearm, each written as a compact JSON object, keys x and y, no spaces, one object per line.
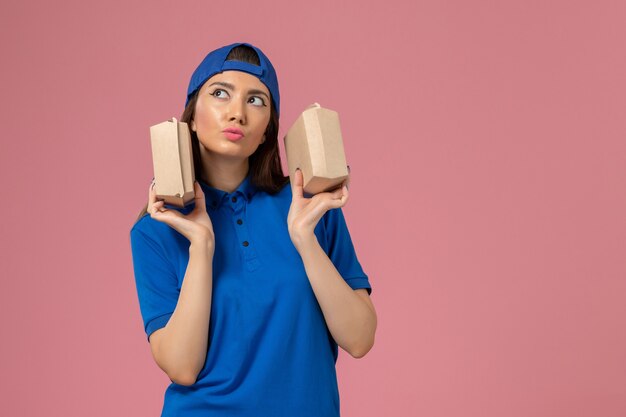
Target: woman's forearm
{"x":351,"y":321}
{"x":183,"y":348}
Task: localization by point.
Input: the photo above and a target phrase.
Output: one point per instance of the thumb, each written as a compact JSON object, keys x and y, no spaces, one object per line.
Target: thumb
{"x":199,"y":198}
{"x":296,"y":186}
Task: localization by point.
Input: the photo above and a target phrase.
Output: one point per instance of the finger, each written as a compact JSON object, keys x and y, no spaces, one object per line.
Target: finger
{"x":318,"y":210}
{"x":151,"y":187}
{"x":296,"y":187}
{"x":346,"y":184}
{"x":198,"y":190}
{"x":166,"y":215}
{"x":337,"y":202}
{"x":340,"y":191}
{"x":199,"y":197}
{"x":172,"y":218}
{"x":344,"y":196}
{"x":158,"y":207}
{"x":151,"y":195}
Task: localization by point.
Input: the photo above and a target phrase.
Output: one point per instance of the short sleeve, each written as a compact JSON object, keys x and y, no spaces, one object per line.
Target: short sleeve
{"x":341,"y":251}
{"x":155,"y":279}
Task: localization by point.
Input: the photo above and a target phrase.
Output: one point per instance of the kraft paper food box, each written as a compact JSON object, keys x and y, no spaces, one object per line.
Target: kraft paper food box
{"x":314,"y":144}
{"x":172,"y":160}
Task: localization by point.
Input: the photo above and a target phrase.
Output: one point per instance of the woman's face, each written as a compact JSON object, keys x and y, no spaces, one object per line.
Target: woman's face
{"x":232,"y":99}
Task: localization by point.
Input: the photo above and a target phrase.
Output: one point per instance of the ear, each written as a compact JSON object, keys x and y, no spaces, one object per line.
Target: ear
{"x":263,"y":138}
{"x":193,"y":125}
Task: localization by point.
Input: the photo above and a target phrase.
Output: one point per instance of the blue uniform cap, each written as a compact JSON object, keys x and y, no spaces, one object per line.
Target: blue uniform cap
{"x":215,"y":62}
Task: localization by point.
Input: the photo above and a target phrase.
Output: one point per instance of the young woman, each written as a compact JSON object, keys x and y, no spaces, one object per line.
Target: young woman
{"x":247,"y":293}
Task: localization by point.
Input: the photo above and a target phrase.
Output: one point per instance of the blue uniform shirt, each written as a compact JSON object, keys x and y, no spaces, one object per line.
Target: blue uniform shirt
{"x":270,"y":353}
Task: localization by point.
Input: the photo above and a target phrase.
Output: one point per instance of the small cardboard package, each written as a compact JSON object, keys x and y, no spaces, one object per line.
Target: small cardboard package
{"x":172,"y":159}
{"x":314,"y":144}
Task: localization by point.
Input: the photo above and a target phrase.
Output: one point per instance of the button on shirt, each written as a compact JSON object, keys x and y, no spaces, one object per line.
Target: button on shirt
{"x":270,"y":353}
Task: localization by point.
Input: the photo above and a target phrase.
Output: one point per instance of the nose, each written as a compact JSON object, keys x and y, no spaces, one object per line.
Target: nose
{"x":237,"y":112}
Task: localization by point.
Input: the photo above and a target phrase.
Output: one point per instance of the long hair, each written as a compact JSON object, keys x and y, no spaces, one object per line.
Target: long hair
{"x":264,"y":164}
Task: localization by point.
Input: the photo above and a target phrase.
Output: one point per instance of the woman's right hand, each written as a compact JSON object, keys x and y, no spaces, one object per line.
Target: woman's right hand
{"x":195,"y":226}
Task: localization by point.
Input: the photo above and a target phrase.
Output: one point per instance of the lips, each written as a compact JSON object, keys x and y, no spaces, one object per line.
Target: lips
{"x":232,"y":136}
{"x":233,"y":133}
{"x":233,"y":130}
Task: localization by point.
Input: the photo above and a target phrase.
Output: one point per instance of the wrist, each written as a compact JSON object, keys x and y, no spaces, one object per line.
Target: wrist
{"x":305,"y":242}
{"x":204,"y":244}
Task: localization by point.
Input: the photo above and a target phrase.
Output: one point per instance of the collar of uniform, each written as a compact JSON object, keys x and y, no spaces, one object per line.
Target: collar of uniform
{"x":215,"y":197}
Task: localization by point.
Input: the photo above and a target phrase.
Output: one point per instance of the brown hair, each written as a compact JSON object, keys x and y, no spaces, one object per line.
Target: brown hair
{"x":264,"y":164}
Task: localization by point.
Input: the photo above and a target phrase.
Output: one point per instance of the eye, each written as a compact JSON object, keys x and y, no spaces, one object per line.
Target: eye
{"x":215,"y":93}
{"x":260,"y":102}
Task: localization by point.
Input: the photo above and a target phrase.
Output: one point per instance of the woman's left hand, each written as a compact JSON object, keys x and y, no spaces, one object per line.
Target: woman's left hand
{"x":304,"y":213}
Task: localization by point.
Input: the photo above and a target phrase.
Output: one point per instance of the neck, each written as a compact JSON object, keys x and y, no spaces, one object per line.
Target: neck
{"x":225,"y":174}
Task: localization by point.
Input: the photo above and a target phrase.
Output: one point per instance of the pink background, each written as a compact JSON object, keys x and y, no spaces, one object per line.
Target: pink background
{"x":487,"y":142}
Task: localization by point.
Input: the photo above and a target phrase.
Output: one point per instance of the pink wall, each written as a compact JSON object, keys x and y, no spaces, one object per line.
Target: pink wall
{"x":487,"y":144}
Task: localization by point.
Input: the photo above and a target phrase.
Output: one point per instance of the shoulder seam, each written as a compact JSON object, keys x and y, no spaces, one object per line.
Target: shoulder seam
{"x":158,"y":249}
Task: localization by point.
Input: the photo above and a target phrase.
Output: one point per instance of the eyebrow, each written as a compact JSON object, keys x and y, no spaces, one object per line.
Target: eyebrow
{"x":232,"y":87}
